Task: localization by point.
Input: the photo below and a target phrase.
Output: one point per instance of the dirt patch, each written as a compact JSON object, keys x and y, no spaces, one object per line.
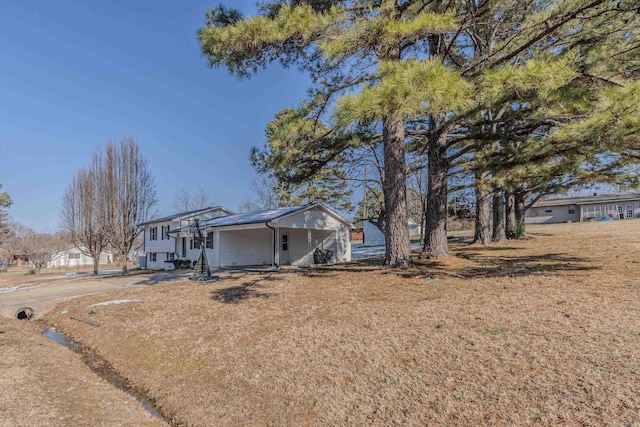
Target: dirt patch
{"x":543,"y":330}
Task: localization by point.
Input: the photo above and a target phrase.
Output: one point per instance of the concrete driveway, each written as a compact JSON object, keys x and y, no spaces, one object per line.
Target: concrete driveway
{"x":42,"y":295}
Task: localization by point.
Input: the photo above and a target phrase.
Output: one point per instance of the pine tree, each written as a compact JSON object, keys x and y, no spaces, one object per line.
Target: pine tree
{"x":360,"y":55}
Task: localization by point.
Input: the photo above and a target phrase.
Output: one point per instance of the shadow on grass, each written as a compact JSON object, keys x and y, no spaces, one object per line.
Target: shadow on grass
{"x":245,"y":291}
{"x":158,"y":278}
{"x":505,"y":266}
{"x":484,"y":262}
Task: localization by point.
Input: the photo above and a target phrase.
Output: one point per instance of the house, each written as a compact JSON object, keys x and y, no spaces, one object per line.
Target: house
{"x":282,"y":236}
{"x":590,"y":208}
{"x":274,"y":237}
{"x":160,"y":248}
{"x":76,"y":257}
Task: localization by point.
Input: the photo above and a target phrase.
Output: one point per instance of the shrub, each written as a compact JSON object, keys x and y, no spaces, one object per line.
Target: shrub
{"x":181,"y":263}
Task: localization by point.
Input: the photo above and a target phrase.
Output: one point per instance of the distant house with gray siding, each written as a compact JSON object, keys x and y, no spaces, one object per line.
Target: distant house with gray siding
{"x":580,"y":209}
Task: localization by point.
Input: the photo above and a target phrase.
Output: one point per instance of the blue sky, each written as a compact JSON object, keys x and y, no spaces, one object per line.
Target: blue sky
{"x":75,"y":74}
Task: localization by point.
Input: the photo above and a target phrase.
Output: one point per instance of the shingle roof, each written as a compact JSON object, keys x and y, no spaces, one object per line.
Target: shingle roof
{"x":183,"y":214}
{"x":599,"y":198}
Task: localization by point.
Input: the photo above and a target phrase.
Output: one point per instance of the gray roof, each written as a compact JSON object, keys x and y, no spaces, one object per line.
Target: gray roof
{"x":257,"y":217}
{"x":599,"y":198}
{"x":183,"y":214}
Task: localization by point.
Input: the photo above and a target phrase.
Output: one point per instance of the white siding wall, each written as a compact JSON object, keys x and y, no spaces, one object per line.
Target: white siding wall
{"x":245,"y":247}
{"x":343,"y":244}
{"x":161,"y":246}
{"x":561,"y":213}
{"x":313,"y":218}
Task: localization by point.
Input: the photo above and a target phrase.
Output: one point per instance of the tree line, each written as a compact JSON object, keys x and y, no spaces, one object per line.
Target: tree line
{"x":512,"y":98}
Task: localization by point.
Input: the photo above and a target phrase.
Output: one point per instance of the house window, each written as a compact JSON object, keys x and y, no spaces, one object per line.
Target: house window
{"x":152,"y":255}
{"x":170,"y":256}
{"x":285,"y":242}
{"x":74,"y":256}
{"x":209,"y":241}
{"x":153,"y":233}
{"x":162,"y":233}
{"x":572,"y":210}
{"x":548,"y":210}
{"x":167,"y":232}
{"x":195,"y":243}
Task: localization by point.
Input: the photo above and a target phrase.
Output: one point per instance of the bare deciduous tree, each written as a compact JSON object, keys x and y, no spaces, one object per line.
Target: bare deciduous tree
{"x":36,"y":247}
{"x":186,"y":201}
{"x":82,"y":213}
{"x":129,"y":193}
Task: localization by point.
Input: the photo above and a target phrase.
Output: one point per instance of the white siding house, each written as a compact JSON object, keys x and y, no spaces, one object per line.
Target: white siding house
{"x":160,"y":247}
{"x":75,"y":257}
{"x":284,"y":236}
{"x":579,"y":209}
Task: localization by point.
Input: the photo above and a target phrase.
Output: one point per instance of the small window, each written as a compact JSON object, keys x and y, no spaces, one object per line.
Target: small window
{"x":548,"y":210}
{"x":167,"y":232}
{"x":152,"y":255}
{"x":285,"y":242}
{"x":195,"y":243}
{"x":74,"y":256}
{"x":572,"y":210}
{"x":153,"y":233}
{"x":170,"y":256}
{"x":209,"y":241}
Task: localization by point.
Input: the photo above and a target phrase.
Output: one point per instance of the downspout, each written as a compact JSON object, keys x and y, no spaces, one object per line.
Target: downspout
{"x":275,"y":246}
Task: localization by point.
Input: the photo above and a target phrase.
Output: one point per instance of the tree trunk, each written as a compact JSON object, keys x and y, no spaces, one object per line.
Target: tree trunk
{"x":520,"y":212}
{"x":499,"y":231}
{"x":398,"y":248}
{"x":96,"y":262}
{"x":482,"y":234}
{"x":123,"y":264}
{"x":435,"y":244}
{"x":510,"y":214}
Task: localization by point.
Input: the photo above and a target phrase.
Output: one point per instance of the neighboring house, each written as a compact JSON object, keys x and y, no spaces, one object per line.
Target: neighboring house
{"x":160,"y":247}
{"x":372,"y":234}
{"x":374,"y":237}
{"x":579,"y":209}
{"x":283,"y":236}
{"x":74,"y":257}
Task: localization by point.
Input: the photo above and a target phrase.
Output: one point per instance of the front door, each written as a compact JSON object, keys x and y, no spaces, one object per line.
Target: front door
{"x":184,"y":247}
{"x":284,"y":248}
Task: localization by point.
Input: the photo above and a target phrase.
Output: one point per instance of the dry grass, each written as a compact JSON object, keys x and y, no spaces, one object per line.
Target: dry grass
{"x":43,"y":384}
{"x":544,"y":330}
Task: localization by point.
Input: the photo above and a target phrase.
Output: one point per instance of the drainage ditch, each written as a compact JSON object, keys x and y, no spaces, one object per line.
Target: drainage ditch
{"x":104,"y":370}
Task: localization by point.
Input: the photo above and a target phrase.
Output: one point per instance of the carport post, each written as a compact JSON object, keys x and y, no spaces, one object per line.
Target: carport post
{"x":274,"y":239}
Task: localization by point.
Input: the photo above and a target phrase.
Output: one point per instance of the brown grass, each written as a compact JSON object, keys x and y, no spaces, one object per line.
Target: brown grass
{"x":544,"y":330}
{"x":44,"y":384}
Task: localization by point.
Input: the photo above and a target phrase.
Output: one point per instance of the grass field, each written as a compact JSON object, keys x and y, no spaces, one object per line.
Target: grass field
{"x":544,"y":330}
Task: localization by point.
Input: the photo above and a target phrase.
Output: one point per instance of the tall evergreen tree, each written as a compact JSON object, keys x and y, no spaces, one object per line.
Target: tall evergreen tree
{"x":361,"y":53}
